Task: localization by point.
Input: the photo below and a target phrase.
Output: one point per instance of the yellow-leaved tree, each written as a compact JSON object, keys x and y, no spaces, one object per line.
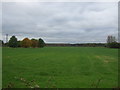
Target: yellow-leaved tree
{"x":26,"y":43}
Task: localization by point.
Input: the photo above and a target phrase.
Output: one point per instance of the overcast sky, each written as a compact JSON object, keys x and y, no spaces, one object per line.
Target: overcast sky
{"x":75,"y":22}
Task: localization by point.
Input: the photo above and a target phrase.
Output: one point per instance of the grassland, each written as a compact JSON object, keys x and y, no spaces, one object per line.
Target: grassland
{"x":61,"y":67}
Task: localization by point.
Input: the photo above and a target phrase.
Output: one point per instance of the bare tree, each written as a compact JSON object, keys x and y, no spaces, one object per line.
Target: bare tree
{"x":111,"y":39}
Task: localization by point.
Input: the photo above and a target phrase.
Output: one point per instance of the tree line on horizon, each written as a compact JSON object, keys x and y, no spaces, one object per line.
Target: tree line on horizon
{"x":111,"y":42}
{"x":26,"y":43}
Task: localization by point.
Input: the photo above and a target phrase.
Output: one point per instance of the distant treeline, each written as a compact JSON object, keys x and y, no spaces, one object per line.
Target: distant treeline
{"x":78,"y":45}
{"x":109,"y":45}
{"x":36,"y":43}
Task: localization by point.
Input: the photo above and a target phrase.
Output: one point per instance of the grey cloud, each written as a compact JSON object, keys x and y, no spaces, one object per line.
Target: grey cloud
{"x":61,"y":22}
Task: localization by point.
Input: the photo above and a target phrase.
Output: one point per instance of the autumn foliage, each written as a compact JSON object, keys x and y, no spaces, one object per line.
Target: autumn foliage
{"x":26,"y":43}
{"x":34,"y":43}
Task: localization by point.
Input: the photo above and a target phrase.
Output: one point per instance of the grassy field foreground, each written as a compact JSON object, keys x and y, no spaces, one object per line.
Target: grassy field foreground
{"x":60,"y":67}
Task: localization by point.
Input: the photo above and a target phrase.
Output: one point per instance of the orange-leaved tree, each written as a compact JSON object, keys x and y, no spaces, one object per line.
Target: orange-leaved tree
{"x":26,"y":43}
{"x":34,"y":43}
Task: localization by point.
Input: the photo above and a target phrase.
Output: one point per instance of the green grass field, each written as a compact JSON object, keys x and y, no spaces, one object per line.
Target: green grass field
{"x":61,"y":67}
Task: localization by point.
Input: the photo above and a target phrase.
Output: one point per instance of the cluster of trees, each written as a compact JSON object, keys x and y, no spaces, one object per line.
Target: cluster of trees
{"x":26,"y":42}
{"x":112,"y":42}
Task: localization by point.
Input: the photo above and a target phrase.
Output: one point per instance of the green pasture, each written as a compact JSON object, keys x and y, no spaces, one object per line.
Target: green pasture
{"x":60,"y":67}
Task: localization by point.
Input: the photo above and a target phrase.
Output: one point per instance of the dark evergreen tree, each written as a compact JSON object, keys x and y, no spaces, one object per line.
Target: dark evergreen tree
{"x":13,"y":42}
{"x":41,"y":43}
{"x":1,"y":43}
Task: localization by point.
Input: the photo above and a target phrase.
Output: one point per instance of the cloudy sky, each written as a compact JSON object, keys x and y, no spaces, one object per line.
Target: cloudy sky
{"x":60,"y":22}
